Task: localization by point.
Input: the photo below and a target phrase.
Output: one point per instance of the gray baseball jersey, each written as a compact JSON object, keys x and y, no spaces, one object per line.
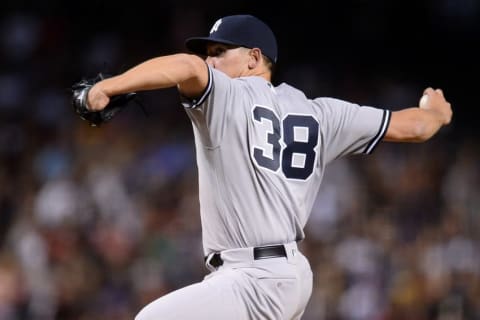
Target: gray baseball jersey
{"x":261,"y":154}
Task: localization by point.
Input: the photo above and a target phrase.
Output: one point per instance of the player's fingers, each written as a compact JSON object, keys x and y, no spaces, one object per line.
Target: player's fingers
{"x":96,"y":99}
{"x":439,"y":91}
{"x":428,"y":91}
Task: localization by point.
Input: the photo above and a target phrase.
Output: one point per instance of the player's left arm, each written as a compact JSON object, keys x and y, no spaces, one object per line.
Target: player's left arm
{"x":187,"y":72}
{"x":420,"y":124}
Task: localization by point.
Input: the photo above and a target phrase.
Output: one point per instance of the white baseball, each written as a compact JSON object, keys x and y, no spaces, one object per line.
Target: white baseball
{"x":423,"y":101}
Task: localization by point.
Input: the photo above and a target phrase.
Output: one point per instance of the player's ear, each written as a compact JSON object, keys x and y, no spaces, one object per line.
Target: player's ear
{"x":255,"y":58}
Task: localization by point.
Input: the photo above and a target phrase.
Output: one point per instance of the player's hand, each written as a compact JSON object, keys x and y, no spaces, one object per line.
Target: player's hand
{"x":434,"y":100}
{"x":97,"y":99}
{"x":91,"y":102}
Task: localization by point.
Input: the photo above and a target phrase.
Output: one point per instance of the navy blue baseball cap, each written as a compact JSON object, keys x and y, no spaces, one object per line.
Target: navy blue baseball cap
{"x":239,"y":30}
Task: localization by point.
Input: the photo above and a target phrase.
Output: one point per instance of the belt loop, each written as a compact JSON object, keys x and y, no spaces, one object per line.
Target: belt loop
{"x":207,"y":262}
{"x":291,"y":249}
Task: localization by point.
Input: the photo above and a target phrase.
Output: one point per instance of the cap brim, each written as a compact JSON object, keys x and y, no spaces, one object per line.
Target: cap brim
{"x":198,"y":45}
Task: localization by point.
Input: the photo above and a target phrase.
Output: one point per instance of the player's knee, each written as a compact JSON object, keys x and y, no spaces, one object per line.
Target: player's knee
{"x":155,"y":310}
{"x":144,"y":314}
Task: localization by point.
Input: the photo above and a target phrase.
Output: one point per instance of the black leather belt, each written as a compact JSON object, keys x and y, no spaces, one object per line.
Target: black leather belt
{"x":265,"y":252}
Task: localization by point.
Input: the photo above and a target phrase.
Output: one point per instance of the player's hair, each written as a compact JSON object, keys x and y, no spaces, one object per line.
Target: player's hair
{"x":269,"y":64}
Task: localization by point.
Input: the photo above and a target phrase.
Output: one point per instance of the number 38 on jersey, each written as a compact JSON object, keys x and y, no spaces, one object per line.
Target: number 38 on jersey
{"x":286,"y":145}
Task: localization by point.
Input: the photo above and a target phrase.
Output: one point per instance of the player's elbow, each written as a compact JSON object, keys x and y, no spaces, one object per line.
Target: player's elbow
{"x":192,"y":64}
{"x":194,"y":77}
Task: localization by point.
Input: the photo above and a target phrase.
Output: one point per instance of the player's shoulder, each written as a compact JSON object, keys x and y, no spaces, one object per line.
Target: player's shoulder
{"x":294,"y":99}
{"x":329,"y":101}
{"x":287,"y":90}
{"x":245,"y":82}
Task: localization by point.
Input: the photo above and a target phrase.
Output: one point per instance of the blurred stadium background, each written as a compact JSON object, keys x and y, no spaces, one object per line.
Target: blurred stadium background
{"x":97,"y":222}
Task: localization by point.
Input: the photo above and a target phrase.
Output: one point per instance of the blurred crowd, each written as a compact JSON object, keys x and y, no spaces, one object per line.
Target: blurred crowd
{"x":97,"y":222}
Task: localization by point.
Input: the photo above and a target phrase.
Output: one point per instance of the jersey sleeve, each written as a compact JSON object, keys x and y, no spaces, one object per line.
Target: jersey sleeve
{"x":209,"y":113}
{"x":194,"y":103}
{"x":348,"y":128}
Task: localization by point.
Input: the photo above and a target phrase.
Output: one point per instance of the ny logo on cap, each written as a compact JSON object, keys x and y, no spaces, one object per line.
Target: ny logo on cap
{"x":215,"y":26}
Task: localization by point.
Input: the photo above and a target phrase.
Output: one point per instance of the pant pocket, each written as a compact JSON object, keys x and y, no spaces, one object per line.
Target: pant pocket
{"x":282,"y":295}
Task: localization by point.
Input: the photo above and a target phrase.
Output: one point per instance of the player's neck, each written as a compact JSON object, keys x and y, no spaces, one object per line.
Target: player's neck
{"x":267,"y":75}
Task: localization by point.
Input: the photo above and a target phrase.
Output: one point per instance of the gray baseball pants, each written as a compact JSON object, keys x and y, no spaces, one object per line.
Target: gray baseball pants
{"x":241,"y":289}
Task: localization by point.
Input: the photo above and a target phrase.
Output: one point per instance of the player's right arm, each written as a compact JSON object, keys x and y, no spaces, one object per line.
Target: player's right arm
{"x":188,"y":72}
{"x":420,"y":124}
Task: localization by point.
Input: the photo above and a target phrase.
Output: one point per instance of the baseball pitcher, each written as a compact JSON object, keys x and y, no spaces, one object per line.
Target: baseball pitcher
{"x":261,"y":153}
